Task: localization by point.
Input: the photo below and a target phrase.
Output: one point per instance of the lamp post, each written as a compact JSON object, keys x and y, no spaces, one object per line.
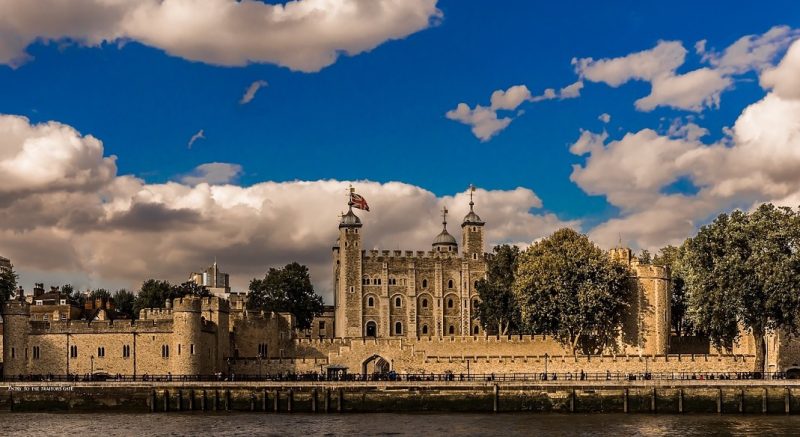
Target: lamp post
{"x":546,"y":356}
{"x":467,"y":369}
{"x":91,"y":367}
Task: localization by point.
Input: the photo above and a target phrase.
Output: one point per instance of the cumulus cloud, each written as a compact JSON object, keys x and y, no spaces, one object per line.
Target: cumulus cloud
{"x":199,"y":135}
{"x":604,"y":117}
{"x":784,"y":79}
{"x":694,"y":90}
{"x":86,"y":224}
{"x":485,"y":121}
{"x":250,"y":92}
{"x":756,"y":162}
{"x":304,"y":35}
{"x":214,"y":173}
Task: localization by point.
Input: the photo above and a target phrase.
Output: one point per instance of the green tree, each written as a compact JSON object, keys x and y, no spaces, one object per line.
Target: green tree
{"x":498,"y":305}
{"x":645,"y":257}
{"x":670,"y":256}
{"x":8,"y":284}
{"x":154,"y":294}
{"x":124,"y":302}
{"x":571,"y":289}
{"x":744,"y":270}
{"x":100,"y":293}
{"x":191,"y":287}
{"x":287,"y":289}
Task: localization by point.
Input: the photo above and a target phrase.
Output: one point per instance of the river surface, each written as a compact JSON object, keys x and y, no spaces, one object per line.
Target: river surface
{"x":239,"y":424}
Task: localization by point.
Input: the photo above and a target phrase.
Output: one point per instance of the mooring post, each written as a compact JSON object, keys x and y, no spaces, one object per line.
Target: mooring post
{"x":787,"y":400}
{"x":166,"y":400}
{"x":572,"y":401}
{"x":276,"y":401}
{"x":289,"y":400}
{"x":741,"y":400}
{"x":625,"y":400}
{"x":180,"y":399}
{"x":764,"y":397}
{"x":328,"y":400}
{"x":264,"y":400}
{"x":719,"y":400}
{"x":314,"y":400}
{"x":653,"y":398}
{"x":215,"y":401}
{"x":227,"y":400}
{"x":252,"y":402}
{"x":203,"y":400}
{"x":152,"y":402}
{"x":191,"y":400}
{"x":340,"y":404}
{"x":496,"y":398}
{"x":680,"y":401}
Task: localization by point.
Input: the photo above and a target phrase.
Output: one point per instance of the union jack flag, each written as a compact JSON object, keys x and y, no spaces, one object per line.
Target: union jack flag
{"x":358,"y":202}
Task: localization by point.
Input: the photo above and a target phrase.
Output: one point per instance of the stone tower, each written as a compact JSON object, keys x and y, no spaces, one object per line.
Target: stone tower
{"x":16,"y":326}
{"x":187,"y":329}
{"x":472,"y":232}
{"x":347,"y":294}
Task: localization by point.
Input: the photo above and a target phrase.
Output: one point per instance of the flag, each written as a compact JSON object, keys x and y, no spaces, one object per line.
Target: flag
{"x":358,"y":202}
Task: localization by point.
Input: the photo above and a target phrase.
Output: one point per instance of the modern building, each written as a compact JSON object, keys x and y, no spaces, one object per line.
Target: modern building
{"x":217,"y":282}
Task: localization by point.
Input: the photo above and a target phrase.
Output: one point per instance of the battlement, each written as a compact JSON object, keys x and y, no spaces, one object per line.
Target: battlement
{"x":215,"y":303}
{"x":122,"y":326}
{"x":650,"y":271}
{"x":155,"y":314}
{"x":186,"y":304}
{"x":16,"y":307}
{"x":406,"y":254}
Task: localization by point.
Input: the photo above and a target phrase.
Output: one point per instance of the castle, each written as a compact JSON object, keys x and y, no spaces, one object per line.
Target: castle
{"x":401,"y":310}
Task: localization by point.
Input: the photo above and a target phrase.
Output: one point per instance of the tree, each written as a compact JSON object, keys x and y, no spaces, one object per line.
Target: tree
{"x":645,"y":257}
{"x":498,"y":305}
{"x":191,"y":288}
{"x":571,"y":289}
{"x":124,"y":303}
{"x":75,"y":297}
{"x":154,"y":294}
{"x":743,"y":270}
{"x":287,"y":289}
{"x":670,"y":256}
{"x":8,"y":284}
{"x":100,"y":293}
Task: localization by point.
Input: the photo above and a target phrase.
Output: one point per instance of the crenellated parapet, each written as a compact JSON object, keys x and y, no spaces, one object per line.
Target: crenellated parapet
{"x":381,"y":255}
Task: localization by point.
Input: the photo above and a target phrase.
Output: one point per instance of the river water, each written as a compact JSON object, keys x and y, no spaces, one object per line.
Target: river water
{"x":239,"y":424}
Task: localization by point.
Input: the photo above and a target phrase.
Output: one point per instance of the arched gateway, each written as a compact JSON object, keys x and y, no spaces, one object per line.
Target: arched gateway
{"x":375,"y":364}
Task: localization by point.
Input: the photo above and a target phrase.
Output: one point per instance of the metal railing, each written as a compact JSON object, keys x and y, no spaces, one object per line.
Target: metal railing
{"x":412,"y":377}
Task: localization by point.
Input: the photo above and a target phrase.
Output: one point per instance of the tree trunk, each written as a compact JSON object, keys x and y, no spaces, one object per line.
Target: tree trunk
{"x":761,"y":349}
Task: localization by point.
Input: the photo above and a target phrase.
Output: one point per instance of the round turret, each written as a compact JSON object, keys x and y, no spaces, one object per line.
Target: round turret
{"x":444,"y":242}
{"x":16,"y":326}
{"x":187,"y":328}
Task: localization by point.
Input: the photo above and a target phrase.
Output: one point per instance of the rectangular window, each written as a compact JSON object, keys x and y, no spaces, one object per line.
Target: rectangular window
{"x":179,"y":350}
{"x":13,"y":353}
{"x":46,"y":317}
{"x":101,"y":352}
{"x":191,"y":349}
{"x":126,"y":351}
{"x":321,"y":325}
{"x":73,"y":351}
{"x":63,"y":317}
{"x":36,"y":352}
{"x":63,"y":301}
{"x":165,"y":351}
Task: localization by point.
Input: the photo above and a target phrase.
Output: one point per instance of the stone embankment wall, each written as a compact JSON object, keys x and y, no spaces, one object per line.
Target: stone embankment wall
{"x":778,"y":397}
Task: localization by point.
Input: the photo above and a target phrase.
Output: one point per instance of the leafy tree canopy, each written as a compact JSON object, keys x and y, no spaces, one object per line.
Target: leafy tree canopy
{"x":670,"y":256}
{"x":124,"y":303}
{"x":8,"y":284}
{"x":571,"y":289}
{"x":498,"y":306}
{"x":744,"y":270}
{"x":287,"y":289}
{"x":153,"y":294}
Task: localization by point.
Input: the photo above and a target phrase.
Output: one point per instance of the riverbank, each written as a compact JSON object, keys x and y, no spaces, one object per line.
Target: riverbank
{"x":641,"y":396}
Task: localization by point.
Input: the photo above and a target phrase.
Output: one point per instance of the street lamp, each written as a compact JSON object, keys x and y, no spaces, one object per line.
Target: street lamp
{"x":467,"y":369}
{"x":91,"y":367}
{"x":546,"y":356}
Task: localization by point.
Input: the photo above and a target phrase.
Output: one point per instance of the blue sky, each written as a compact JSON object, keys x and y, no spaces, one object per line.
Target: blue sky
{"x":380,"y":115}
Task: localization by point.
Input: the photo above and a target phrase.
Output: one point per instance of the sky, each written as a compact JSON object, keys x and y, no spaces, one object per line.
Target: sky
{"x":143,"y":139}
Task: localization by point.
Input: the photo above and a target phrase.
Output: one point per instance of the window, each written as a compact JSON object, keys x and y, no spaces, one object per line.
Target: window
{"x":398,"y":302}
{"x":370,"y":302}
{"x":364,"y":281}
{"x":424,"y":303}
{"x":450,"y":284}
{"x":475,"y":256}
{"x":73,"y":351}
{"x":398,"y":328}
{"x":63,"y":317}
{"x":475,"y":304}
{"x":450,"y":303}
{"x":392,"y":281}
{"x":63,"y":301}
{"x":191,"y":349}
{"x":475,"y":284}
{"x":101,"y":352}
{"x":46,"y":317}
{"x":164,"y":351}
{"x":424,"y":283}
{"x":126,"y":351}
{"x":425,"y":329}
{"x":179,"y":350}
{"x":451,"y":330}
{"x":36,"y":353}
{"x":262,"y":350}
{"x":476,"y":330}
{"x":352,"y":289}
{"x":13,"y":353}
{"x":39,"y":303}
{"x":321,"y":325}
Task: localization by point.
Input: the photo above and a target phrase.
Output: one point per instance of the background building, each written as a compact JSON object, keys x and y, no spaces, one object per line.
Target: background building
{"x":217,"y":282}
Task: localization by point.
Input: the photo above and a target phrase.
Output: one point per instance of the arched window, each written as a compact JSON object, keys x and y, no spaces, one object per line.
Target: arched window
{"x":398,"y":328}
{"x":475,"y":304}
{"x":425,"y":329}
{"x":449,"y":303}
{"x":372,"y":329}
{"x":476,"y":330}
{"x":370,"y":302}
{"x":475,"y":284}
{"x":424,"y":283}
{"x":450,"y":284}
{"x":451,"y":330}
{"x":424,"y":303}
{"x":398,"y":302}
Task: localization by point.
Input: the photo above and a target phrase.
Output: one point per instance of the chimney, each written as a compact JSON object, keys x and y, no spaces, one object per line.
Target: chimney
{"x":38,"y":289}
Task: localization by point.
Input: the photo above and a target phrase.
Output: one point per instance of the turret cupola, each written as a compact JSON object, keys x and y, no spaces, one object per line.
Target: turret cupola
{"x":472,"y":236}
{"x":350,"y":220}
{"x":444,"y":242}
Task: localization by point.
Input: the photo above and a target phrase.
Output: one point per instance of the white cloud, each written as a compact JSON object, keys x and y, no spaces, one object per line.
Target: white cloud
{"x":88,"y":225}
{"x":694,"y":90}
{"x":251,"y":91}
{"x":784,"y":79}
{"x":571,"y":91}
{"x":604,"y":117}
{"x":214,"y":173}
{"x":305,"y":35}
{"x":199,"y":135}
